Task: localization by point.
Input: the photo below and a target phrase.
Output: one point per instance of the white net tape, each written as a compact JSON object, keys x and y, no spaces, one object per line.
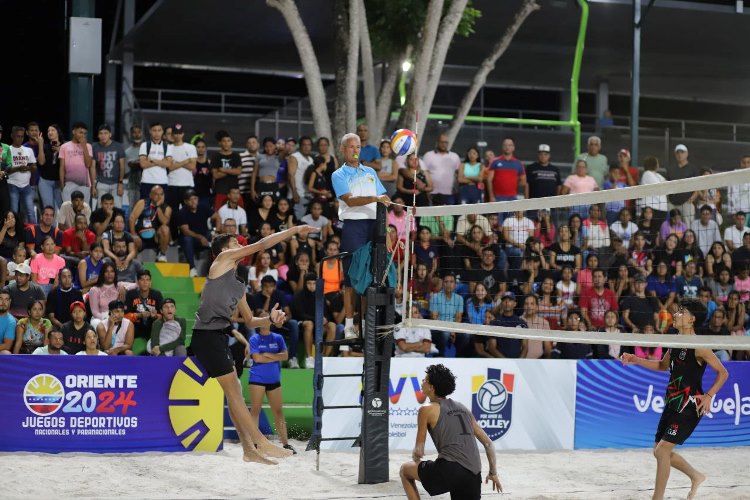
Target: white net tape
{"x":704,"y":182}
{"x":629,"y":339}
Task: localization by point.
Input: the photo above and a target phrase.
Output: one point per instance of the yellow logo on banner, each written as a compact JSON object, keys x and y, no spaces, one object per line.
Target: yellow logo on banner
{"x":43,"y":394}
{"x":198,"y":410}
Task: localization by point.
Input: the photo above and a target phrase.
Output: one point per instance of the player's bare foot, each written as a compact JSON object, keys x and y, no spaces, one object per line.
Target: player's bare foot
{"x":255,"y":456}
{"x":696,"y":482}
{"x":271,"y":450}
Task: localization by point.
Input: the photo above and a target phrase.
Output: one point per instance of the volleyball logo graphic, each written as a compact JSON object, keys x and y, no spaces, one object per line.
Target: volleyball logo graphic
{"x":376,"y":402}
{"x":403,"y":142}
{"x":492,"y":401}
{"x":492,"y":396}
{"x":43,"y":394}
{"x":196,"y":404}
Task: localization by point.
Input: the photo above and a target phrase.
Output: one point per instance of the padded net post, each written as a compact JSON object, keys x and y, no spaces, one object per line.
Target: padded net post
{"x":373,"y":457}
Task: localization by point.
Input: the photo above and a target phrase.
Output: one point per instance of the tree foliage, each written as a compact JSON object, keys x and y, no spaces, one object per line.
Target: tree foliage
{"x":395,"y":24}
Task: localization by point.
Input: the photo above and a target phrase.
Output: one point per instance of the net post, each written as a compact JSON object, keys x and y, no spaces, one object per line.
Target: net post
{"x":373,"y":456}
{"x":317,"y":428}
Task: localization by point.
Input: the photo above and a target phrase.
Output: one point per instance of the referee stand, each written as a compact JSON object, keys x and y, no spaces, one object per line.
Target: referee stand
{"x":377,"y":349}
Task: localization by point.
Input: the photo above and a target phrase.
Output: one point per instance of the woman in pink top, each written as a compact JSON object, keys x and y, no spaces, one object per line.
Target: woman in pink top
{"x":46,"y":266}
{"x":105,"y":291}
{"x":581,"y":182}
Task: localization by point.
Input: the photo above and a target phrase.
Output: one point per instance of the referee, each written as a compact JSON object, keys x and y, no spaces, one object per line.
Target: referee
{"x":358,"y":189}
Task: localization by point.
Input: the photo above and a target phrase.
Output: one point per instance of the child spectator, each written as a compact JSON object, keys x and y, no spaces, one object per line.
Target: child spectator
{"x":624,"y":227}
{"x":648,"y":352}
{"x":76,"y":329}
{"x":90,"y":267}
{"x":268,"y":350}
{"x":413,"y":342}
{"x":116,"y":332}
{"x":742,"y":284}
{"x":425,"y":252}
{"x":31,"y":331}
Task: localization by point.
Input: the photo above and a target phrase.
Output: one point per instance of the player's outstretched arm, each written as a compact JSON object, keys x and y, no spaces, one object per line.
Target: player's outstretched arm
{"x":489,"y":449}
{"x":235,"y":255}
{"x":704,"y":400}
{"x":659,"y":365}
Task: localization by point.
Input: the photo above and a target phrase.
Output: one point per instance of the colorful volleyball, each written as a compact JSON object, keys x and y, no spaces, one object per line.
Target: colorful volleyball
{"x":665,"y":320}
{"x":403,"y":142}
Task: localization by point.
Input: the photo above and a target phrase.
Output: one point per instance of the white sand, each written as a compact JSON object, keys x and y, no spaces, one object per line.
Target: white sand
{"x":561,"y":474}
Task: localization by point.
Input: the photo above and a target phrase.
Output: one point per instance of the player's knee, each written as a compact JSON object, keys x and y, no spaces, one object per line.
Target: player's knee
{"x":402,"y":471}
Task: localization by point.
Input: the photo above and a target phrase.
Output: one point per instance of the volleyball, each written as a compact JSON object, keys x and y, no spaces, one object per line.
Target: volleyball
{"x":403,"y":142}
{"x":492,"y":396}
{"x":665,"y":320}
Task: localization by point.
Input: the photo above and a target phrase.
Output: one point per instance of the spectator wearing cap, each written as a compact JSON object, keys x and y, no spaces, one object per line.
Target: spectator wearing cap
{"x":142,"y":306}
{"x":77,"y":165}
{"x":60,"y":299}
{"x":155,"y":156}
{"x":68,"y":211}
{"x":194,"y":231}
{"x":7,"y":324}
{"x":75,"y":329}
{"x":19,"y":176}
{"x":116,"y":334}
{"x":505,"y":347}
{"x":226,"y":167}
{"x":110,"y":167}
{"x":542,"y":177}
{"x":268,"y":298}
{"x":682,"y":169}
{"x":180,"y":177}
{"x":443,"y":164}
{"x":168,"y":332}
{"x":22,"y":291}
{"x":597,"y":163}
{"x":506,"y":174}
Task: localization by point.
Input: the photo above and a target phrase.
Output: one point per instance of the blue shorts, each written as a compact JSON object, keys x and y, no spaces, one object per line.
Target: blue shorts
{"x":354,"y":235}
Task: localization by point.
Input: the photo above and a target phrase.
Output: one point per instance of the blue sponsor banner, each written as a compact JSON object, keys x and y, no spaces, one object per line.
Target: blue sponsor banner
{"x":106,"y":404}
{"x":619,"y":406}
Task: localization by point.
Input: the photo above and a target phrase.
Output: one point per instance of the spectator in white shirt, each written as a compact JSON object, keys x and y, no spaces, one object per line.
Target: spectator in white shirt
{"x":19,"y":176}
{"x":413,"y":342}
{"x":442,"y":165}
{"x":232,"y":210}
{"x":180,"y":176}
{"x":733,"y":234}
{"x":706,"y":229}
{"x":739,"y":195}
{"x":155,"y":157}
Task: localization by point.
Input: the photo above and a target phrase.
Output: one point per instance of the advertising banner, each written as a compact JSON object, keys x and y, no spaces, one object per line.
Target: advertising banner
{"x":108,"y":404}
{"x":619,"y":406}
{"x":521,"y":404}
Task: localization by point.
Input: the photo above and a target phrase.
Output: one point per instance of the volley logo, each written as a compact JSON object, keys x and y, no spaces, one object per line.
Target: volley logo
{"x":43,"y":394}
{"x":492,"y":401}
{"x":196,"y":404}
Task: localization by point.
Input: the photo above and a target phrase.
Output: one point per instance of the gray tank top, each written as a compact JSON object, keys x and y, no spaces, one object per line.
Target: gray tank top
{"x":454,"y":437}
{"x":218,"y":302}
{"x":268,"y":166}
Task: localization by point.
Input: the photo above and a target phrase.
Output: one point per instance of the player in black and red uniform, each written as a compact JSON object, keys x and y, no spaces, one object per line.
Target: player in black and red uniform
{"x":685,"y":400}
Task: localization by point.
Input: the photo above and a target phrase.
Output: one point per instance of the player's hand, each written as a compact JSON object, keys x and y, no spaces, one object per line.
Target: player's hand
{"x":306,"y":229}
{"x":384,"y":199}
{"x":155,"y":350}
{"x":703,"y":402}
{"x":628,"y":359}
{"x":277,"y":316}
{"x":496,"y":486}
{"x":247,"y":351}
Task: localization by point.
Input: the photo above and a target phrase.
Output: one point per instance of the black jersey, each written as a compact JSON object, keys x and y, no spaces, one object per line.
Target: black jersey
{"x":685,"y":379}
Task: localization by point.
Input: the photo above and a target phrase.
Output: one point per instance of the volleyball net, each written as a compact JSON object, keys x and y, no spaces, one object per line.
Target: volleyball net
{"x":607,"y":267}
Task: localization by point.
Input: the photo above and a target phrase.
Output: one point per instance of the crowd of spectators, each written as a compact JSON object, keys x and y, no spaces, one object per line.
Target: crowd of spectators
{"x":78,"y":218}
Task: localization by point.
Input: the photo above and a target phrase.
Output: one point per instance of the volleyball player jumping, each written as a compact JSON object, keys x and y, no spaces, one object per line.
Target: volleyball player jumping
{"x":223,"y":294}
{"x":453,"y":428}
{"x":686,"y":402}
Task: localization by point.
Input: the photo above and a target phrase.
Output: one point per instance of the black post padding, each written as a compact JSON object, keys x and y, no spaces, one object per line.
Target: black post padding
{"x":314,"y":443}
{"x":373,"y":457}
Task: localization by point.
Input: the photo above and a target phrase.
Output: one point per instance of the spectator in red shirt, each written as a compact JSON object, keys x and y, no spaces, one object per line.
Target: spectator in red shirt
{"x":77,"y":240}
{"x":597,"y":300}
{"x":506,"y":174}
